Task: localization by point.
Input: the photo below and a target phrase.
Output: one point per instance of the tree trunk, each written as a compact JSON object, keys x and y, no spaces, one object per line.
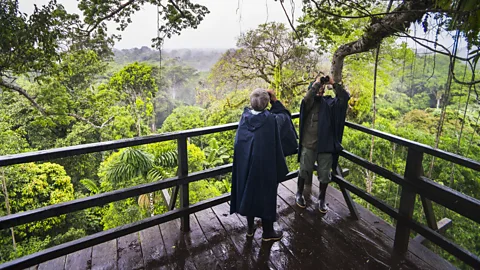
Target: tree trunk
{"x":152,"y":208}
{"x":7,"y":204}
{"x":174,"y":91}
{"x":137,"y":114}
{"x":438,"y":101}
{"x":377,"y":31}
{"x":139,"y":125}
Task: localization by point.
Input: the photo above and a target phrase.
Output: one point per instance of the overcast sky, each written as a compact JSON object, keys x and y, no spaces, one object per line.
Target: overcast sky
{"x":220,"y":28}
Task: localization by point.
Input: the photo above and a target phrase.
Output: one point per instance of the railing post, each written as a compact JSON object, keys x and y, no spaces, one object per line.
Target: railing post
{"x":413,"y":171}
{"x":429,"y":213}
{"x":182,"y":172}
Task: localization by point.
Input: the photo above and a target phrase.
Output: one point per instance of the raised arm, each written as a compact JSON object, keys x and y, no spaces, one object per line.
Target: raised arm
{"x":282,"y":114}
{"x":311,"y":93}
{"x":283,"y":117}
{"x":341,"y":93}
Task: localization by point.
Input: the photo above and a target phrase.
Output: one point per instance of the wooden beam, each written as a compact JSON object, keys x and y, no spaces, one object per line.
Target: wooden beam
{"x":107,"y":197}
{"x":182,"y":173}
{"x":346,"y":195}
{"x":456,"y":201}
{"x":446,"y":244}
{"x":457,"y":159}
{"x":109,"y":145}
{"x":429,"y":213}
{"x":442,"y":227}
{"x":452,"y":199}
{"x":413,"y":171}
{"x":100,"y":237}
{"x":173,"y":199}
{"x":166,"y":198}
{"x":433,"y":236}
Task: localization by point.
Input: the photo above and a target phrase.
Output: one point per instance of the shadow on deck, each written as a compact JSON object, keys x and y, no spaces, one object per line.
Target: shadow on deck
{"x":217,"y":241}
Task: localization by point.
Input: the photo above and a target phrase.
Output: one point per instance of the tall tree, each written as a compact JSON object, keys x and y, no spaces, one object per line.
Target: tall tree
{"x":136,"y":85}
{"x":31,"y":45}
{"x":272,"y":55}
{"x":328,"y":18}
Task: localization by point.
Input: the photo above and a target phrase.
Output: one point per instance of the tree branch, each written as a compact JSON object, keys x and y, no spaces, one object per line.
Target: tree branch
{"x":42,"y":110}
{"x":83,"y":119}
{"x":289,"y":21}
{"x":376,"y":32}
{"x":24,"y":93}
{"x":178,"y":8}
{"x":318,"y":6}
{"x":447,"y":53}
{"x":115,"y":12}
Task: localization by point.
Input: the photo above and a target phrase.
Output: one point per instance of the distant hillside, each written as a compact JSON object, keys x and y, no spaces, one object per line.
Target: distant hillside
{"x":200,"y":59}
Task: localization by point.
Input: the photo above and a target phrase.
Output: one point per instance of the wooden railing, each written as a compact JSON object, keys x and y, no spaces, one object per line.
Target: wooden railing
{"x":412,"y":183}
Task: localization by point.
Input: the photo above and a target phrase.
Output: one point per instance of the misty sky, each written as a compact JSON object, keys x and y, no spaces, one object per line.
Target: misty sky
{"x":219,"y":29}
{"x":227,"y":19}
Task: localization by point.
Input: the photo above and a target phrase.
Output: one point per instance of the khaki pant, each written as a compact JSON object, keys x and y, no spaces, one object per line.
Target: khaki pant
{"x":324,"y":162}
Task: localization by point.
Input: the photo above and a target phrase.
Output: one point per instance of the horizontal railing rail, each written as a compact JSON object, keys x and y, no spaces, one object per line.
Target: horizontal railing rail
{"x":443,"y":195}
{"x":448,"y":245}
{"x":457,"y":159}
{"x":109,"y":145}
{"x":107,"y":197}
{"x":104,"y":236}
{"x":412,"y":183}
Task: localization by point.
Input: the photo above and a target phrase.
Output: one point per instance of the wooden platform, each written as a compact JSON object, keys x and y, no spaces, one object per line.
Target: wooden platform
{"x":217,"y":241}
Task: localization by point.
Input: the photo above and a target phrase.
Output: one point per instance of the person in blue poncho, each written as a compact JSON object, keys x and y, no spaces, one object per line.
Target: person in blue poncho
{"x":322,"y":120}
{"x":259,"y":162}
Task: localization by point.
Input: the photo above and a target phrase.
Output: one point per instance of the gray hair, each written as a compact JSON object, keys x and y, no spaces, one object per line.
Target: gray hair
{"x":259,"y":99}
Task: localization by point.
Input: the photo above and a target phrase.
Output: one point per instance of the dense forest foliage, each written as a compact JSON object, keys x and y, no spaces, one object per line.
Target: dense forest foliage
{"x":92,"y":93}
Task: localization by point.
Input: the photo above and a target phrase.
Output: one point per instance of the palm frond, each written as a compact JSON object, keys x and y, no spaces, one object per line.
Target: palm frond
{"x":156,"y":173}
{"x":167,"y":159}
{"x":90,"y":185}
{"x":130,"y":163}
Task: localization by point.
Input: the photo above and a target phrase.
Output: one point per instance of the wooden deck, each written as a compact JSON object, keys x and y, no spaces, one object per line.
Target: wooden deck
{"x":217,"y":241}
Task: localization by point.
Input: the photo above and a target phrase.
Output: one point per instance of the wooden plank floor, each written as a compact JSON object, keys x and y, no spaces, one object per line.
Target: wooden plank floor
{"x":217,"y":241}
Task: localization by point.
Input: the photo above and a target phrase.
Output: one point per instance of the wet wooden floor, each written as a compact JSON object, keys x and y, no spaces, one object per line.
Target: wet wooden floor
{"x":217,"y":241}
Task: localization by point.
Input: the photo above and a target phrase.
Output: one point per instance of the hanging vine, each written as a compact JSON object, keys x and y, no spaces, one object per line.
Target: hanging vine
{"x":371,"y":175}
{"x":445,"y":102}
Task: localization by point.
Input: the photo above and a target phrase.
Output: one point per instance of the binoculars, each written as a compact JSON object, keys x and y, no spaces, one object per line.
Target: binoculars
{"x":324,"y":80}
